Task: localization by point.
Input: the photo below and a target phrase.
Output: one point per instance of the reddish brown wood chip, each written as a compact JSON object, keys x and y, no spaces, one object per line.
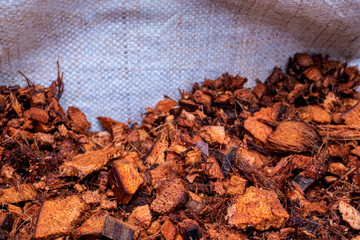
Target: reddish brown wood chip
{"x":165,"y":105}
{"x":313,"y":74}
{"x":257,"y":208}
{"x":314,"y":114}
{"x":350,"y":214}
{"x":84,"y":164}
{"x":352,"y":116}
{"x":157,"y":152}
{"x":171,"y":195}
{"x":169,"y":231}
{"x":92,"y":228}
{"x":259,"y":130}
{"x":190,"y":229}
{"x":57,"y":217}
{"x":24,"y":192}
{"x":213,"y":134}
{"x":118,"y":230}
{"x":125,"y":181}
{"x":141,"y":216}
{"x":37,"y":114}
{"x":78,"y":119}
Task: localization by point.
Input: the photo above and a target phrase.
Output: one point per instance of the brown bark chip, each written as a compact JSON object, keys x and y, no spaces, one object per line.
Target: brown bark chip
{"x":84,"y":164}
{"x":190,"y":229}
{"x":213,"y":134}
{"x":78,"y":119}
{"x":169,"y":231}
{"x":314,"y":114}
{"x":157,"y":152}
{"x":257,"y":208}
{"x":118,"y":230}
{"x":236,"y":185}
{"x":350,"y":215}
{"x":259,"y":130}
{"x":93,"y":227}
{"x":165,"y":105}
{"x":171,"y":195}
{"x":21,"y":193}
{"x":37,"y":114}
{"x":57,"y":217}
{"x":352,"y":116}
{"x":125,"y":181}
{"x":141,"y":216}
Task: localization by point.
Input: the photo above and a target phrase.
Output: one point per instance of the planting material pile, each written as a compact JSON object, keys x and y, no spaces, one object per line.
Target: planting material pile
{"x":279,"y":161}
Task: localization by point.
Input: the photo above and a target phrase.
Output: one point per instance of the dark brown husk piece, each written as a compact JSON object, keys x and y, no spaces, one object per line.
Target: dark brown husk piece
{"x":279,"y":161}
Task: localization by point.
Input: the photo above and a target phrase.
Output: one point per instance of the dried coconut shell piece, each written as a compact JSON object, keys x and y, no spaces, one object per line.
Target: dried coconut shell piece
{"x":213,"y":169}
{"x":337,"y":169}
{"x":292,"y":136}
{"x":154,"y":228}
{"x":217,"y":232}
{"x":37,"y":99}
{"x":202,"y":98}
{"x":339,"y":132}
{"x":340,"y":151}
{"x":108,"y":123}
{"x":44,"y":139}
{"x":15,"y":105}
{"x":193,"y":158}
{"x":196,"y":206}
{"x":252,"y":158}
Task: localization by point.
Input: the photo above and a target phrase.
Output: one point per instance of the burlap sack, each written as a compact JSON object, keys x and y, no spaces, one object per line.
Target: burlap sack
{"x":119,"y":57}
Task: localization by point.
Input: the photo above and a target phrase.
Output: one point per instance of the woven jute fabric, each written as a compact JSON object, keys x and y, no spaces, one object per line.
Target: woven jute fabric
{"x":119,"y":57}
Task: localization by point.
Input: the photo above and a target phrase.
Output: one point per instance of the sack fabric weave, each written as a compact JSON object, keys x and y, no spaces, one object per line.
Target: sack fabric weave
{"x":119,"y":57}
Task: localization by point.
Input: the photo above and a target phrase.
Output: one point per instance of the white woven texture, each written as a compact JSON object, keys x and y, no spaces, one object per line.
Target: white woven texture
{"x":119,"y":57}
